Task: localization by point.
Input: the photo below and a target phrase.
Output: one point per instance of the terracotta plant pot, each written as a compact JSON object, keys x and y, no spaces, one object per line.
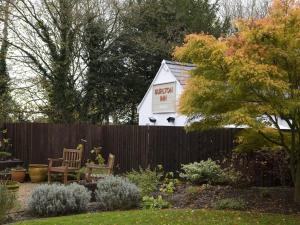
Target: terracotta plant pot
{"x":18,"y":175}
{"x":37,"y":172}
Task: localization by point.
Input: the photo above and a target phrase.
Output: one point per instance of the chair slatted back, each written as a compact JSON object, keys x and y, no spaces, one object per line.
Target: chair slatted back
{"x":72,"y":157}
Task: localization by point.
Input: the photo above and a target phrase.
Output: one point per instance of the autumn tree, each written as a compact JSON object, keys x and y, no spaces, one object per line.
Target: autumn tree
{"x":251,"y":78}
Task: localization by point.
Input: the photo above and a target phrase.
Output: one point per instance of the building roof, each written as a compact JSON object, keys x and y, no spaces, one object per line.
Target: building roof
{"x":180,"y":70}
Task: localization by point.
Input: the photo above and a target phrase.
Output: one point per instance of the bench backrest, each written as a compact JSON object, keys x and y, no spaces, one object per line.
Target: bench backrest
{"x":73,"y":157}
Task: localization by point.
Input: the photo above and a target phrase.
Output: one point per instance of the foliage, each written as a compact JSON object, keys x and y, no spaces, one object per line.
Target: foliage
{"x":202,"y":172}
{"x":147,"y":180}
{"x":7,"y":202}
{"x":170,"y":216}
{"x":230,"y":203}
{"x":249,"y":79}
{"x":98,"y":157}
{"x":263,"y":167}
{"x":105,"y":86}
{"x":169,"y":183}
{"x":6,"y":102}
{"x":206,"y":187}
{"x":231,"y":176}
{"x":99,"y":67}
{"x":56,"y":199}
{"x":58,"y":65}
{"x":144,"y":45}
{"x":117,"y":193}
{"x":249,"y":141}
{"x":5,"y":145}
{"x":154,"y":203}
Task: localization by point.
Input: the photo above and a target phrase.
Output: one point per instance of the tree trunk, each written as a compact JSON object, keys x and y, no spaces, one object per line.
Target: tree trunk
{"x":297,"y":183}
{"x":4,"y":78}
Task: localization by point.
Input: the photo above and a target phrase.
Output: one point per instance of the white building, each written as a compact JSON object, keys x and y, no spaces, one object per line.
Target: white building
{"x":159,"y":105}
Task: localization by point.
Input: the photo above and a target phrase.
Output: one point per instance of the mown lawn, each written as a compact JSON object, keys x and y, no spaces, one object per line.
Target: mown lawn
{"x":172,"y":217}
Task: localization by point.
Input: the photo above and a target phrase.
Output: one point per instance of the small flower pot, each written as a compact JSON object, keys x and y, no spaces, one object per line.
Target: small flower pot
{"x":18,"y":174}
{"x":37,"y":172}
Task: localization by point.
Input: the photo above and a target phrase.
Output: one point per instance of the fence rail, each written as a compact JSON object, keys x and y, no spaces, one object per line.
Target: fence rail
{"x":133,"y":146}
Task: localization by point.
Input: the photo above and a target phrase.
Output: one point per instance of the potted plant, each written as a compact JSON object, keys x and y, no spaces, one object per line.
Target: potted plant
{"x":10,"y":185}
{"x":18,"y":174}
{"x":6,"y":159}
{"x":5,"y":146}
{"x":98,"y":157}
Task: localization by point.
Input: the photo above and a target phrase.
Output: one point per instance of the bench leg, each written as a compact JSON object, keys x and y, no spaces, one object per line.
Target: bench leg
{"x":65,"y":178}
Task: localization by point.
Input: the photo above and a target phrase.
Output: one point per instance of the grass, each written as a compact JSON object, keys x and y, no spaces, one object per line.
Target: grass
{"x":170,"y":217}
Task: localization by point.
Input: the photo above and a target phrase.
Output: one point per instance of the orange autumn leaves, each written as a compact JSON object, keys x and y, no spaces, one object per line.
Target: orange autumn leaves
{"x":254,"y":72}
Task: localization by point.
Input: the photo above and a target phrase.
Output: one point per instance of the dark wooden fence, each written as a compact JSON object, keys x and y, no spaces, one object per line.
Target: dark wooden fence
{"x":133,"y":146}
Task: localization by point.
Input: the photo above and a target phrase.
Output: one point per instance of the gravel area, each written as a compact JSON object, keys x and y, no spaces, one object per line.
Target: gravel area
{"x":23,"y":195}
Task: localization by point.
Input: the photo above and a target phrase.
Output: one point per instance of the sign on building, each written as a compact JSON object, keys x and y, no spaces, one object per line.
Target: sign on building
{"x":164,"y":98}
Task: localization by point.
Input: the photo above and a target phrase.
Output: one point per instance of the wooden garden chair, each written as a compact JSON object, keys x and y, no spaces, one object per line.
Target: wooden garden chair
{"x":95,"y":171}
{"x":70,"y":163}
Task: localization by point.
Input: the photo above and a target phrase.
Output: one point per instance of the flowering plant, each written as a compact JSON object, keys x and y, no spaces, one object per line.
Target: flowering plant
{"x":98,"y":157}
{"x":5,"y":145}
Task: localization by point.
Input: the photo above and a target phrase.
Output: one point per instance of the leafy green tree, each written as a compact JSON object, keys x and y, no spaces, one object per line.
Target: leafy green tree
{"x":47,"y":36}
{"x":251,"y":78}
{"x":104,"y":80}
{"x":152,"y":28}
{"x":7,"y":105}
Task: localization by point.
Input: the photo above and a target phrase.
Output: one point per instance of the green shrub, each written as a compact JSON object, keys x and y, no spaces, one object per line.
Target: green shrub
{"x":202,"y":172}
{"x":146,"y":180}
{"x":7,"y":202}
{"x":117,"y":193}
{"x":57,"y":199}
{"x":206,"y":187}
{"x":232,"y":177}
{"x":154,"y":203}
{"x":193,"y":191}
{"x":230,"y":203}
{"x":169,"y":183}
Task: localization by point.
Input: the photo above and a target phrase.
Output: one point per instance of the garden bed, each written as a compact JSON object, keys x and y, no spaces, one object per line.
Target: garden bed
{"x":259,"y":199}
{"x":277,"y":200}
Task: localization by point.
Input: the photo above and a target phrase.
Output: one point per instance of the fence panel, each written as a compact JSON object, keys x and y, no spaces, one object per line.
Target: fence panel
{"x":133,"y":146}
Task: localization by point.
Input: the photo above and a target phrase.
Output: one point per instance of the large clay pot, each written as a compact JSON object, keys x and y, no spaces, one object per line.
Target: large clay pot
{"x":18,"y":174}
{"x":37,"y":172}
